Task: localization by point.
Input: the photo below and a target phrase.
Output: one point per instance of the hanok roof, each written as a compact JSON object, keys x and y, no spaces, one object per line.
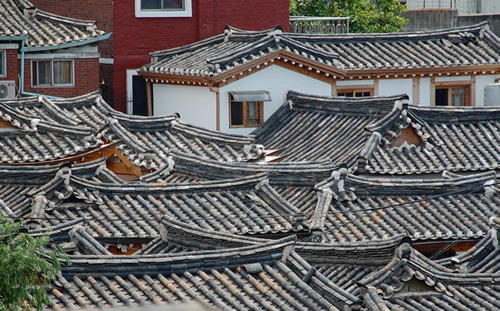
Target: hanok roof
{"x":268,"y":275}
{"x":454,"y":139}
{"x":456,"y":47}
{"x":222,"y":55}
{"x":315,"y":128}
{"x":484,"y":257}
{"x":381,"y":273}
{"x":20,"y":185}
{"x":120,"y":210}
{"x":188,"y":167}
{"x":365,"y":208}
{"x":411,"y":281}
{"x":190,"y":236}
{"x":219,"y":58}
{"x":29,"y":139}
{"x":42,"y":129}
{"x":383,"y":135}
{"x":19,"y":18}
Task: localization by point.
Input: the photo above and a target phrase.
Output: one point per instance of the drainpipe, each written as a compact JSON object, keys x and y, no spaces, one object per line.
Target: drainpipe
{"x":22,"y":49}
{"x":21,"y":78}
{"x":217,"y":104}
{"x":45,"y":48}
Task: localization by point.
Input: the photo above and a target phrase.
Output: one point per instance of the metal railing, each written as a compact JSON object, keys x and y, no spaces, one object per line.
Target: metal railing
{"x":302,"y":24}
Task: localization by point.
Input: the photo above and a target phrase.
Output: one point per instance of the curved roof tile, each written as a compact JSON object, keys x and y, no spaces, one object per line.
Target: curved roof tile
{"x":42,"y":29}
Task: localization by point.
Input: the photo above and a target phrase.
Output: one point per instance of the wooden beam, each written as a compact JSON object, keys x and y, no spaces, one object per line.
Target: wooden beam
{"x":4,"y":124}
{"x":149,"y":95}
{"x":217,"y":111}
{"x":416,"y":91}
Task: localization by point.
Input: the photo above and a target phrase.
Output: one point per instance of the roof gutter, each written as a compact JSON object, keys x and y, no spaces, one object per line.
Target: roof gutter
{"x":66,"y":45}
{"x":46,"y":48}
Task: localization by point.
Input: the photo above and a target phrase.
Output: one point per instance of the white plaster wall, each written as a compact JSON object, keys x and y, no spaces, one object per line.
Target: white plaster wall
{"x":425,"y":91}
{"x":196,"y":104}
{"x":452,"y":79}
{"x":490,"y":6}
{"x":277,"y":81}
{"x":354,"y":82}
{"x":481,"y":82}
{"x":388,"y":87}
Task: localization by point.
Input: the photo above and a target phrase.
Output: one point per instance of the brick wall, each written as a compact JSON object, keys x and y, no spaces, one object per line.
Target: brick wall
{"x":13,"y":65}
{"x":100,"y":11}
{"x":134,"y":38}
{"x":86,"y":79}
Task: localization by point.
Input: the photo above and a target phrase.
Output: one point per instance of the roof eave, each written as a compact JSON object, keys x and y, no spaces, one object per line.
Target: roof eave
{"x":425,"y":71}
{"x":66,"y":45}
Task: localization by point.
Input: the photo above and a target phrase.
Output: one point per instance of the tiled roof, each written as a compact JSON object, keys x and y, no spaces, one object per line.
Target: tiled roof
{"x":246,"y":205}
{"x":371,"y":134}
{"x":454,"y":139}
{"x":314,"y":128}
{"x":222,"y":53}
{"x":42,"y":29}
{"x":268,"y":275}
{"x":456,"y":47}
{"x":366,"y":208}
{"x":18,"y":185}
{"x":484,"y":257}
{"x":412,"y":282}
{"x":355,"y":53}
{"x":377,"y":252}
{"x":192,"y":167}
{"x":145,"y":140}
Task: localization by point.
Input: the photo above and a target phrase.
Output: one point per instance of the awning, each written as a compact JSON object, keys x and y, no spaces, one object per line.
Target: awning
{"x":251,"y":96}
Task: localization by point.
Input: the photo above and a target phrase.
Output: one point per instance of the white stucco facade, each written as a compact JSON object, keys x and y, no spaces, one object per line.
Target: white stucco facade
{"x":424,"y":91}
{"x":277,"y":81}
{"x":195,"y":104}
{"x":481,"y":82}
{"x":388,"y":87}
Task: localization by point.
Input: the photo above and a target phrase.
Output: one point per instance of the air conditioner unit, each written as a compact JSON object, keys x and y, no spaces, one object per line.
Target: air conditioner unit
{"x":7,"y":89}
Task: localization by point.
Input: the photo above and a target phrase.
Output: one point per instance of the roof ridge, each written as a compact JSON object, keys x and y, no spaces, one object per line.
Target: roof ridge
{"x":26,"y":4}
{"x":434,"y":186}
{"x":265,"y":253}
{"x":416,"y":34}
{"x":247,"y":181}
{"x":339,"y":104}
{"x":50,"y":169}
{"x":375,"y":252}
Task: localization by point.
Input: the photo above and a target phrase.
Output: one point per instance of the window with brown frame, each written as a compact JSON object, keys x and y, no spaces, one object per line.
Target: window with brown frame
{"x":245,"y":113}
{"x":355,"y":92}
{"x":455,"y":96}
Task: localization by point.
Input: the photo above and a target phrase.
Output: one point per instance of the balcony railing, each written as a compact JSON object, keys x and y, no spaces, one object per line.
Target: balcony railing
{"x":301,"y":24}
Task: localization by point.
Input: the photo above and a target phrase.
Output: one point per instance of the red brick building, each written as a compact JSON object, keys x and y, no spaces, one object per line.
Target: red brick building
{"x":100,"y":11}
{"x":45,"y":53}
{"x":137,"y":31}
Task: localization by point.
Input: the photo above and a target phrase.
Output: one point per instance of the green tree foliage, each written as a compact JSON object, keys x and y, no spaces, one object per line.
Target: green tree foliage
{"x":366,"y":16}
{"x":27,"y":268}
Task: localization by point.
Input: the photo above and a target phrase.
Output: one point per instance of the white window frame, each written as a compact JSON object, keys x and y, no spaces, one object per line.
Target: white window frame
{"x":3,"y":61}
{"x":186,"y":12}
{"x":52,"y":72}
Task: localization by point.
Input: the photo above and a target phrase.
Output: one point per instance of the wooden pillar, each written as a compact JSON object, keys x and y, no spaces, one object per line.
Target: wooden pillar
{"x":150,"y":97}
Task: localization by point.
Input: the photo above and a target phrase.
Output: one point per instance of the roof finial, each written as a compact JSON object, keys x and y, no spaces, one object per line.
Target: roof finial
{"x":278,"y":33}
{"x":227,"y":33}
